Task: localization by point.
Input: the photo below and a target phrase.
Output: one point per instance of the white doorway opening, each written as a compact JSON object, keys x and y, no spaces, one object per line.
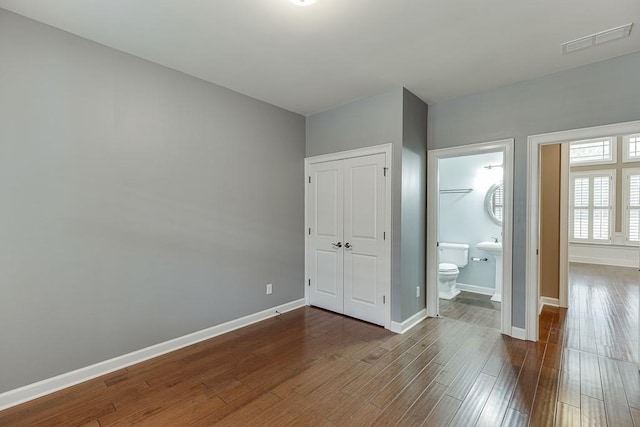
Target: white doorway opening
{"x":533,"y":213}
{"x":505,"y":147}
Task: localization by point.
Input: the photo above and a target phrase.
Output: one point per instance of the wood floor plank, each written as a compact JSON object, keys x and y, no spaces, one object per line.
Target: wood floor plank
{"x":631,"y":382}
{"x":566,"y":415}
{"x":423,"y":406}
{"x":590,"y":380}
{"x":544,"y":404}
{"x":569,"y":386}
{"x":592,"y":412}
{"x":472,"y":405}
{"x":312,"y":367}
{"x":396,"y":409}
{"x":443,"y":412}
{"x":522,"y":398}
{"x":470,"y":372}
{"x":250,"y":411}
{"x":615,"y":399}
{"x":514,"y":418}
{"x":496,"y":407}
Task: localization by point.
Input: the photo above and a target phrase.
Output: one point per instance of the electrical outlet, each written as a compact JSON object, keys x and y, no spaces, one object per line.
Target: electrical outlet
{"x":269,"y":289}
{"x":417,"y":291}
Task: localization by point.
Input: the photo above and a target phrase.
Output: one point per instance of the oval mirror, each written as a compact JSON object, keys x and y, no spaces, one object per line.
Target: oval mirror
{"x":494,"y":202}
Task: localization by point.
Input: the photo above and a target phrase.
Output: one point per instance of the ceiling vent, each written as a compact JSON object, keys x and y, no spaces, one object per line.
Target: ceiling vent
{"x":597,"y":38}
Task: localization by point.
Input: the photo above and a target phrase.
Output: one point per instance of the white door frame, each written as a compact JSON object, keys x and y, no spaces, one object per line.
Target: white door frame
{"x":341,"y":155}
{"x":533,"y":212}
{"x":505,"y":146}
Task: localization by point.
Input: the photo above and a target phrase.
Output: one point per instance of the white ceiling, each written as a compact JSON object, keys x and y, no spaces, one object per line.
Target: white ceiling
{"x":310,"y":59}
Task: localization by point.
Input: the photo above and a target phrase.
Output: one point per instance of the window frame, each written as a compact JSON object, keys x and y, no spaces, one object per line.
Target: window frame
{"x":626,"y":173}
{"x":611,"y":173}
{"x":626,"y":141}
{"x":613,"y":145}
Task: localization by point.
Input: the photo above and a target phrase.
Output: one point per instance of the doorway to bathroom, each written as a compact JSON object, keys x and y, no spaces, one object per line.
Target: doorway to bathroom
{"x":469,"y":229}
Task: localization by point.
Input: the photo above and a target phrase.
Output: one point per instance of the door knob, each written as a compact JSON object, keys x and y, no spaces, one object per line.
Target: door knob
{"x":337,"y":245}
{"x":347,"y":245}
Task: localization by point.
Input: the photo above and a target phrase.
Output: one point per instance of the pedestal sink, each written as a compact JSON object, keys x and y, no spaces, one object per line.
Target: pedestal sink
{"x":495,"y":249}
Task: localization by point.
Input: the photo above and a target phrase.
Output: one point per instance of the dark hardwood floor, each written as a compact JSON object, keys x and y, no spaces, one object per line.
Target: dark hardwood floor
{"x":312,"y":367}
{"x":472,"y":308}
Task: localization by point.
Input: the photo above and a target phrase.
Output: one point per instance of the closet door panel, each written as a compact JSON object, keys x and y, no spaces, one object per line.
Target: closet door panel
{"x":365,"y":264}
{"x":325,"y":241}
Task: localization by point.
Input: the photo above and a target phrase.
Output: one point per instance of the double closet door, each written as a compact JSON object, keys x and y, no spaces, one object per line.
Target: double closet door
{"x":347,"y":265}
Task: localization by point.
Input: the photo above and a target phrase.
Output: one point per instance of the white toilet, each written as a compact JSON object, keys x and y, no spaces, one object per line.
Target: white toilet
{"x":452,"y":257}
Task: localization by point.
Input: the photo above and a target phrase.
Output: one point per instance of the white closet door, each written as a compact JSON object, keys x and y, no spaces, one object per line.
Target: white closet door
{"x":365,"y":263}
{"x":325,"y":250}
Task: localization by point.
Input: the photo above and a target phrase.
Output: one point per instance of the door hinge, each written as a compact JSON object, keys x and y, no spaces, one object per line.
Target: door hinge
{"x":384,"y":235}
{"x":309,"y":231}
{"x":537,"y":251}
{"x":384,"y":171}
{"x":384,"y":299}
{"x":309,"y":180}
{"x":309,"y":282}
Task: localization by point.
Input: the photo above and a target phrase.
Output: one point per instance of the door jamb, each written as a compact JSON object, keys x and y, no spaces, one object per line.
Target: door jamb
{"x":507,"y":147}
{"x":341,"y":155}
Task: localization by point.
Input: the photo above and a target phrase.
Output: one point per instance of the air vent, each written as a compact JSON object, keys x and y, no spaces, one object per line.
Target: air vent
{"x":597,"y":38}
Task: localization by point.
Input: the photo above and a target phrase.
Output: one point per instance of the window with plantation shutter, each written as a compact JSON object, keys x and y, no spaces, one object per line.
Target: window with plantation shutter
{"x":631,"y":200}
{"x":591,"y":206}
{"x":593,"y":151}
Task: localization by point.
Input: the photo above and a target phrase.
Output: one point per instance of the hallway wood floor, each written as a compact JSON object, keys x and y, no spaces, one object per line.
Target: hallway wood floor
{"x":311,"y":367}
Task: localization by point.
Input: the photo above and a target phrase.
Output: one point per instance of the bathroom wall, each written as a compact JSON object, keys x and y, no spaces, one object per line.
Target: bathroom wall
{"x":462,"y":217}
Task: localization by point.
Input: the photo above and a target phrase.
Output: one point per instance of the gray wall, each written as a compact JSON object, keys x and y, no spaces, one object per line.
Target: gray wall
{"x":414,"y":203}
{"x":463,"y":218}
{"x":602,"y":93}
{"x":138,"y":204}
{"x":396,"y":117}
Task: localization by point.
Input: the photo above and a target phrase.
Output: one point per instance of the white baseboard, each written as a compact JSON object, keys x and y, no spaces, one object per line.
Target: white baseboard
{"x":518,"y":333}
{"x":483,"y":290}
{"x":615,"y":255}
{"x":33,"y":391}
{"x":402,"y":327}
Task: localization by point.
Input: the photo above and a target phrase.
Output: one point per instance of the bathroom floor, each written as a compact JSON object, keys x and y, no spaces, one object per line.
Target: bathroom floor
{"x":472,"y":308}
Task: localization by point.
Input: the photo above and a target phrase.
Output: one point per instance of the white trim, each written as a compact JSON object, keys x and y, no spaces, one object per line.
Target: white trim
{"x":349,"y":154}
{"x":613,"y":154}
{"x":402,"y":327}
{"x":553,"y":302}
{"x":533,"y":206}
{"x":519,"y":333}
{"x":626,"y":174}
{"x":482,"y":290}
{"x":387,"y":150}
{"x":433,"y":156}
{"x":625,"y":149}
{"x":33,"y":391}
{"x":563,"y":273}
{"x":614,"y":255}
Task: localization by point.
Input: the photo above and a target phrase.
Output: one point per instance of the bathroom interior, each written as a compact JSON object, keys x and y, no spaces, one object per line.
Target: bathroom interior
{"x":470,"y":238}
